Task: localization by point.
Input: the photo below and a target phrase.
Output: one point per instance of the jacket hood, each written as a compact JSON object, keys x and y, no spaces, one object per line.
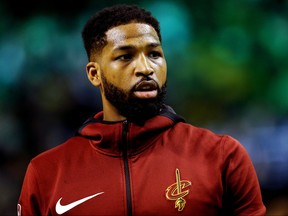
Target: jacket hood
{"x":107,"y":136}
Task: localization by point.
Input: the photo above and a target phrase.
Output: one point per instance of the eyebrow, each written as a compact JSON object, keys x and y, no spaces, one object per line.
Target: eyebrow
{"x":130,"y":47}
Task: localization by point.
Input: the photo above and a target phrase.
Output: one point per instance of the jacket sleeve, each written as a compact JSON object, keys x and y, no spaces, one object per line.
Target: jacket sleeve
{"x":241,"y":186}
{"x":30,"y":199}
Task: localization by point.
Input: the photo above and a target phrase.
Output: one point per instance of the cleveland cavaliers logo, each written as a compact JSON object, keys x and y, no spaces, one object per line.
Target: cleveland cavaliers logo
{"x":177,"y":191}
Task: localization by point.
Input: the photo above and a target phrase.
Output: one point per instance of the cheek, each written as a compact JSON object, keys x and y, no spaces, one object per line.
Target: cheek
{"x":120,"y":80}
{"x":111,"y":72}
{"x":162,"y":76}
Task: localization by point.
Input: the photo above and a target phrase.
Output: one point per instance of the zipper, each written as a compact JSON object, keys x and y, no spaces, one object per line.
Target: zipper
{"x":125,"y":145}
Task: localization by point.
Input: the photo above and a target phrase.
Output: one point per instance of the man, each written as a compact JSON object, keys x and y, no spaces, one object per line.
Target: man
{"x":137,"y":157}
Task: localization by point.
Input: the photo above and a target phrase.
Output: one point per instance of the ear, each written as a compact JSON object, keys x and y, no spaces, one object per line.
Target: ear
{"x":93,"y":73}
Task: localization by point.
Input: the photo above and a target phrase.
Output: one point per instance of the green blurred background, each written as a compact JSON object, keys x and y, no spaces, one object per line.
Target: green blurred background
{"x":227,"y":71}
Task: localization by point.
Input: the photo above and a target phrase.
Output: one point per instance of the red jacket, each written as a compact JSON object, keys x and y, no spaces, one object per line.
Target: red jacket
{"x":163,"y":167}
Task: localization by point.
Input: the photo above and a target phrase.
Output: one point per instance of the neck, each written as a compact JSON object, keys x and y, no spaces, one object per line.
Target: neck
{"x":110,"y":113}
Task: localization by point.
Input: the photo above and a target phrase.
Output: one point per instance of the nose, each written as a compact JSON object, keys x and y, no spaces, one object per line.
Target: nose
{"x":143,"y":67}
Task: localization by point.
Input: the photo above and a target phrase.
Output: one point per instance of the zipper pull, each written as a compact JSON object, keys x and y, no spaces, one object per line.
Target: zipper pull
{"x":125,"y":134}
{"x":125,"y":124}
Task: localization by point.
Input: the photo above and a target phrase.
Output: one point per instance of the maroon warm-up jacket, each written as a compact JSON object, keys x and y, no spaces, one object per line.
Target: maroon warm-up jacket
{"x":161,"y":167}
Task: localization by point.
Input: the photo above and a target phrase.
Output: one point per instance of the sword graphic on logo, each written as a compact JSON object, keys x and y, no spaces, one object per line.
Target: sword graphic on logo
{"x":176,"y":192}
{"x":180,"y":202}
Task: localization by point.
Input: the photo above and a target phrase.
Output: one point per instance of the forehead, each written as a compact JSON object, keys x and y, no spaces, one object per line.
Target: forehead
{"x":132,"y":32}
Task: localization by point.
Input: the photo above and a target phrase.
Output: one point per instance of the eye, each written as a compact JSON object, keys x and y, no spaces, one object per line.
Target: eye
{"x":155,"y":54}
{"x":124,"y":57}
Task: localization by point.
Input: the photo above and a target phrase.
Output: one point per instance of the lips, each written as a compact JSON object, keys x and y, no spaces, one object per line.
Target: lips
{"x":146,"y":89}
{"x":146,"y":86}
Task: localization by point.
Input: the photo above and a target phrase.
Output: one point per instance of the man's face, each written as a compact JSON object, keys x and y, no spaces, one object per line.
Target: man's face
{"x":133,"y":69}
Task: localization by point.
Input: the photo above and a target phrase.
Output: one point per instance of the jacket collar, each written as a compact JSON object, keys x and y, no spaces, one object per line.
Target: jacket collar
{"x":111,"y":137}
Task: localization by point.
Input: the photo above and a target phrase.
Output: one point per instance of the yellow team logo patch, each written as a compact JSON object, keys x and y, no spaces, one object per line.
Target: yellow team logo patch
{"x":177,"y":191}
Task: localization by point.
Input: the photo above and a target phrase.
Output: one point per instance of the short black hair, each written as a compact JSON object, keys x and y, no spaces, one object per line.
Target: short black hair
{"x":94,"y":31}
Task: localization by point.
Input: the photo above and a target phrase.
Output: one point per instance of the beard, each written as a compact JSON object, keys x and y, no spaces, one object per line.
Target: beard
{"x":134,"y":109}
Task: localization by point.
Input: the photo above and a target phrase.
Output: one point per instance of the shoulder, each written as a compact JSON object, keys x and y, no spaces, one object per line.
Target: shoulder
{"x":200,"y":134}
{"x":69,"y":148}
{"x":207,"y":139}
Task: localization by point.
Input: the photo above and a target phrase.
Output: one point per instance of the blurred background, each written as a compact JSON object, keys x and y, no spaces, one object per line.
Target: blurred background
{"x":227,"y":71}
